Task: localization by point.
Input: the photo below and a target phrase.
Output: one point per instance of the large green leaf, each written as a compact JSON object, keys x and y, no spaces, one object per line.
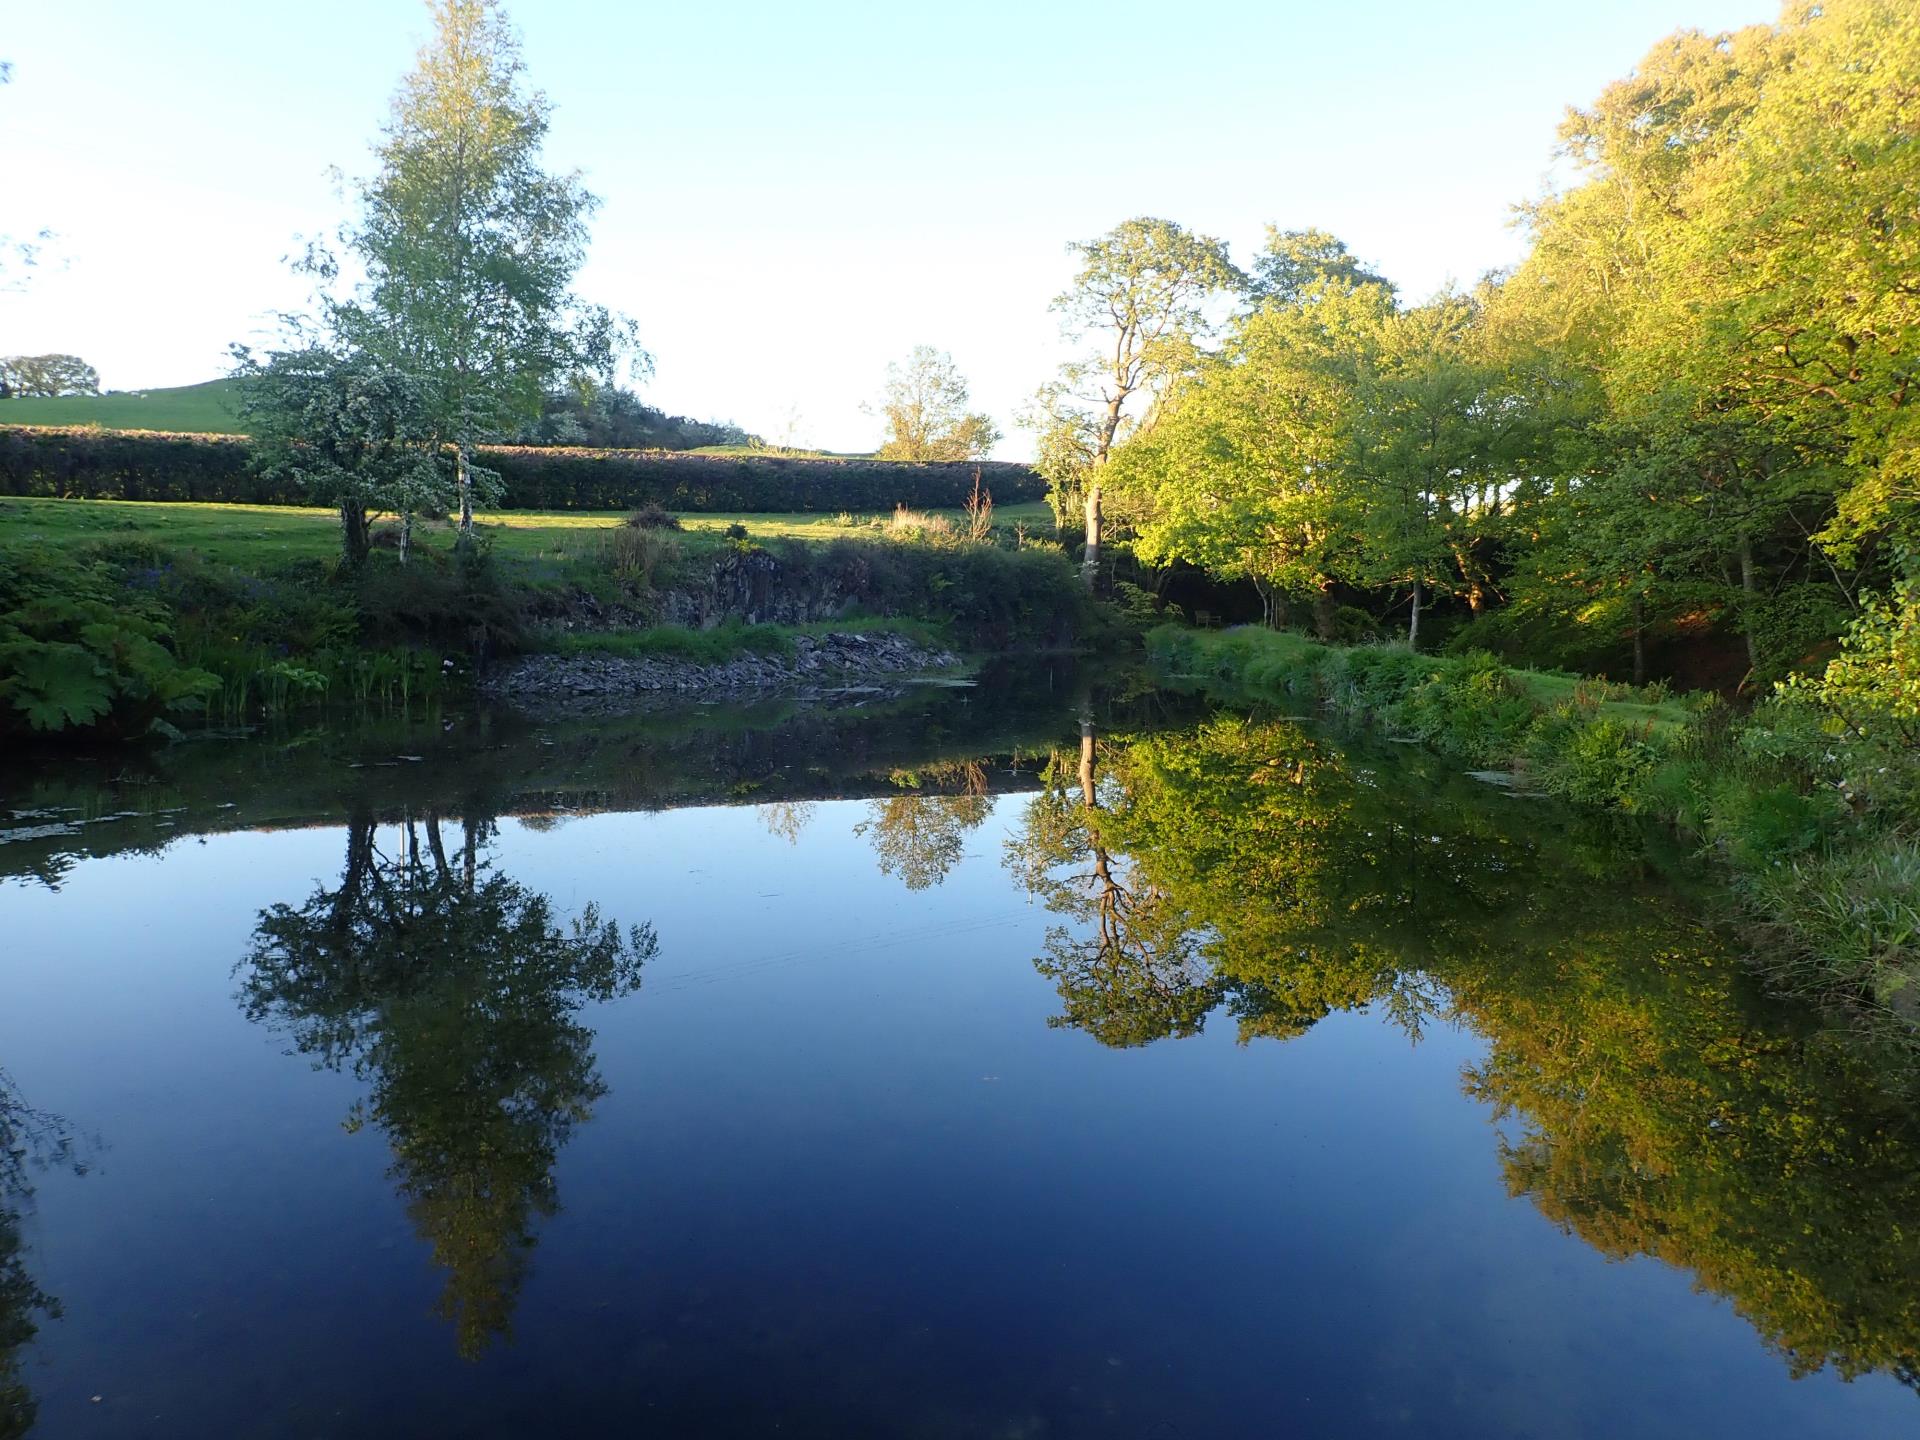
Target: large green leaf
{"x":56,"y":685}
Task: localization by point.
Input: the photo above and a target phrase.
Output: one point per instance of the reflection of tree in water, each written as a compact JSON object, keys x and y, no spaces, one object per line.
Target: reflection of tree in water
{"x":30,"y":1140}
{"x":451,"y":990}
{"x":785,"y":819}
{"x":1128,"y":967}
{"x":1662,"y":1107}
{"x":919,"y":836}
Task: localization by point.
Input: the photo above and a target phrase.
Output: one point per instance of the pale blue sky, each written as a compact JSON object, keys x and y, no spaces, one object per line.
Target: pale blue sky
{"x":795,"y":194}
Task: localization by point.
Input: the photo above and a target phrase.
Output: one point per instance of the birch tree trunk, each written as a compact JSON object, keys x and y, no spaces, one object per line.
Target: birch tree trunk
{"x":466,"y":492}
{"x":1090,"y":561}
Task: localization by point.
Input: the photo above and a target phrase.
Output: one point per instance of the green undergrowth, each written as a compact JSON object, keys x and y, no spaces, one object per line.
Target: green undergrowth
{"x":1811,"y":799}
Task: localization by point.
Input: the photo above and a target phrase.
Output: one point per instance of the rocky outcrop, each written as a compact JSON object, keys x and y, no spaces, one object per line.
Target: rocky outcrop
{"x":755,"y":586}
{"x":849,"y":664}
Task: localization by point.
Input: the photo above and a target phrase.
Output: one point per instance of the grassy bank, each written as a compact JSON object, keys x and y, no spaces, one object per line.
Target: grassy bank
{"x":210,"y":408}
{"x":261,"y":536}
{"x":1812,"y":811}
{"x":117,"y":615}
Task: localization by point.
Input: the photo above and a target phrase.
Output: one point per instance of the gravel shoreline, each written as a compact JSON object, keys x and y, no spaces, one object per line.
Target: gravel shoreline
{"x":823,"y":665}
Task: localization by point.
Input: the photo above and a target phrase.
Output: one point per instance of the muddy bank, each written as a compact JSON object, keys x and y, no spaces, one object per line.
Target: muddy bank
{"x":823,"y":665}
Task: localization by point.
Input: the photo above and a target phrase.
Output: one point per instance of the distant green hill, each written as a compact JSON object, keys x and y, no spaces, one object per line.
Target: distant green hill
{"x":206,"y":408}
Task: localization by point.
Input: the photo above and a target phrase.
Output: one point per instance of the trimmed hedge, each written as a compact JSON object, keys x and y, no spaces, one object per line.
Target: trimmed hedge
{"x":93,"y":464}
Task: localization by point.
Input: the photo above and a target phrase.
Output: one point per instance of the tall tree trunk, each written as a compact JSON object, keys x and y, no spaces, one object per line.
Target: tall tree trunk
{"x":1639,"y":640}
{"x":1413,"y":619}
{"x":465,"y":456}
{"x":1090,"y":561}
{"x":354,"y":543}
{"x":1749,"y":592}
{"x":1323,"y":607}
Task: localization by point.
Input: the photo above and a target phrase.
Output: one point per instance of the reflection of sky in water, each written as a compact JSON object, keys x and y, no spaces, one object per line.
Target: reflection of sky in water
{"x":845,"y":1180}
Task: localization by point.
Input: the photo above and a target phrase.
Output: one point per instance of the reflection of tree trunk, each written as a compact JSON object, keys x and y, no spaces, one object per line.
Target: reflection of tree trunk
{"x":1086,"y":761}
{"x":1111,"y":897}
{"x":353,"y":878}
{"x":471,"y":831}
{"x":435,"y":845}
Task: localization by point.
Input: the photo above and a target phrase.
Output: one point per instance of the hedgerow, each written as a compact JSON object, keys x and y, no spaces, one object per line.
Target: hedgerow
{"x":95,"y":464}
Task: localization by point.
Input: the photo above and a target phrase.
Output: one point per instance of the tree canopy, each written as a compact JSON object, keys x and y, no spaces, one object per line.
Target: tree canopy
{"x":468,"y":247}
{"x":924,"y":410}
{"x":1687,"y":413}
{"x":47,"y":376}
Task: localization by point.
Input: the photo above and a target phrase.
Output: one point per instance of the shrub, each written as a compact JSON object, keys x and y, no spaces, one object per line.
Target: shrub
{"x":1471,"y":708}
{"x":651,"y":516}
{"x":635,"y":554}
{"x":1354,"y":626}
{"x":1759,"y":825}
{"x":907,"y":524}
{"x":1592,"y":761}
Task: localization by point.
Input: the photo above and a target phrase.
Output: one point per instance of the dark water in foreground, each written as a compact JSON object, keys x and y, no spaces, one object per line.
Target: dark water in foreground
{"x":941,"y":1071}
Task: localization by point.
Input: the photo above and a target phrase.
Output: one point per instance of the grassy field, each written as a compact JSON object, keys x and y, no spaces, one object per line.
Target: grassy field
{"x":257,"y":538}
{"x":206,"y":409}
{"x":783,"y":454}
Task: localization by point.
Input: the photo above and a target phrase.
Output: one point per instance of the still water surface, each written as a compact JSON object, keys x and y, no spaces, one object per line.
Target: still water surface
{"x":949,"y":1069}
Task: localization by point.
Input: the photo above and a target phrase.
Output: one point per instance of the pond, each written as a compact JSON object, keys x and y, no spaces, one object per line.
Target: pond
{"x":997,"y":1061}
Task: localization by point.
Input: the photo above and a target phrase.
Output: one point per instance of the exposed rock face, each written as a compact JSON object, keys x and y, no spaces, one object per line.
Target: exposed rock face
{"x":821,"y":665}
{"x":756,"y":587}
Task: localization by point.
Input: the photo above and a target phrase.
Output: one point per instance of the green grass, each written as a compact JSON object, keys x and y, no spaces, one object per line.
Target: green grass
{"x":206,"y":409}
{"x":1664,"y":719}
{"x":260,"y":537}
